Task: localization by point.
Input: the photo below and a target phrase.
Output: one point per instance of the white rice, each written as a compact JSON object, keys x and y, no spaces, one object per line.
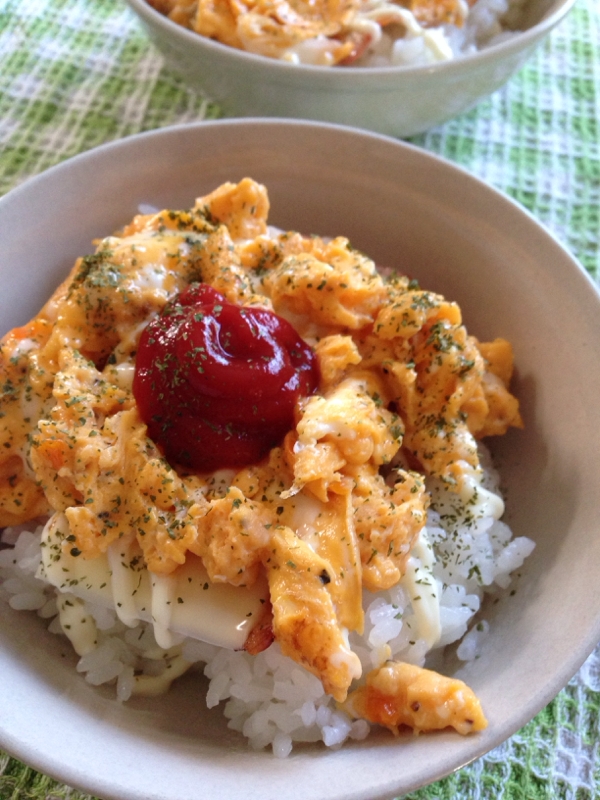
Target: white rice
{"x":269,"y":698}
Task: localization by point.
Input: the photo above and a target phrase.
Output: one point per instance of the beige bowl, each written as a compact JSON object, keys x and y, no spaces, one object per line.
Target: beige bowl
{"x":511,"y":278}
{"x":400,"y":101}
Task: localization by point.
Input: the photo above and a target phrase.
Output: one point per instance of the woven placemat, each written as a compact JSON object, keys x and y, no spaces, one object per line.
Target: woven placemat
{"x":78,"y":73}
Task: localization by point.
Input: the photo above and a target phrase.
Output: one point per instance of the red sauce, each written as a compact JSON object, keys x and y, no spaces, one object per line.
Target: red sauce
{"x":217,"y":383}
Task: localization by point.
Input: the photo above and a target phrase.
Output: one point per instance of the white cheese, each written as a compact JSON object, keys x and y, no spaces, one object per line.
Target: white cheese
{"x":185,"y":602}
{"x":422,"y":588}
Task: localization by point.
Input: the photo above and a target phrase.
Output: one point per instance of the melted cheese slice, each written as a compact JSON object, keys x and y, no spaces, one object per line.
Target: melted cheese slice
{"x":422,"y":587}
{"x":185,"y":602}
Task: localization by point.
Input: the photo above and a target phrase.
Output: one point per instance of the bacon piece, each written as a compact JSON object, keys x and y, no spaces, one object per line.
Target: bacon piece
{"x":261,"y":635}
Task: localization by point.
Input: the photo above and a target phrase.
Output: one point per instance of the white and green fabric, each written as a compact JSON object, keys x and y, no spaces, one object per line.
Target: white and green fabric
{"x":78,"y":73}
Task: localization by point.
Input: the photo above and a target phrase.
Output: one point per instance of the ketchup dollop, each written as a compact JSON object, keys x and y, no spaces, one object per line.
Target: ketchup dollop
{"x":217,"y":383}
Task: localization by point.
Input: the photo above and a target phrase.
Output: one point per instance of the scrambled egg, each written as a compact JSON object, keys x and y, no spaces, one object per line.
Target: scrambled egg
{"x":401,"y":694}
{"x":339,"y":30}
{"x":405,"y":392}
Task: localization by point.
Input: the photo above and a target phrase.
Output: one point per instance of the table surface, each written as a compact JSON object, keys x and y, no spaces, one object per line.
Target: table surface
{"x":77,"y":73}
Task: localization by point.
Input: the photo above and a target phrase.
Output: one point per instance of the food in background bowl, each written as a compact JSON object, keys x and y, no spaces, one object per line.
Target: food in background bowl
{"x":360,"y":33}
{"x":260,"y":454}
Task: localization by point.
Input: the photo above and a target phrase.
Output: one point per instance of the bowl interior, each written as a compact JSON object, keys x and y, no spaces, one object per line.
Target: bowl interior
{"x":412,"y":211}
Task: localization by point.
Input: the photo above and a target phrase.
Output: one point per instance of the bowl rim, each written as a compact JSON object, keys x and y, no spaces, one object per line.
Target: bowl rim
{"x":507,"y":47}
{"x":22,"y":749}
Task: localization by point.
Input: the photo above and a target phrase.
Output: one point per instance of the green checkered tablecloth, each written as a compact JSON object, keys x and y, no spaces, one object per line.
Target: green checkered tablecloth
{"x":77,"y":73}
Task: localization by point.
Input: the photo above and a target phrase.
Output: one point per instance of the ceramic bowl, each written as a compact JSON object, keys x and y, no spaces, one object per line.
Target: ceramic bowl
{"x":511,"y":278}
{"x":399,"y":101}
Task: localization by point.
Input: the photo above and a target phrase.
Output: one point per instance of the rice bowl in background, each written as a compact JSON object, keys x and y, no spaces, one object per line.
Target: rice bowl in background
{"x":508,"y":277}
{"x":399,"y":100}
